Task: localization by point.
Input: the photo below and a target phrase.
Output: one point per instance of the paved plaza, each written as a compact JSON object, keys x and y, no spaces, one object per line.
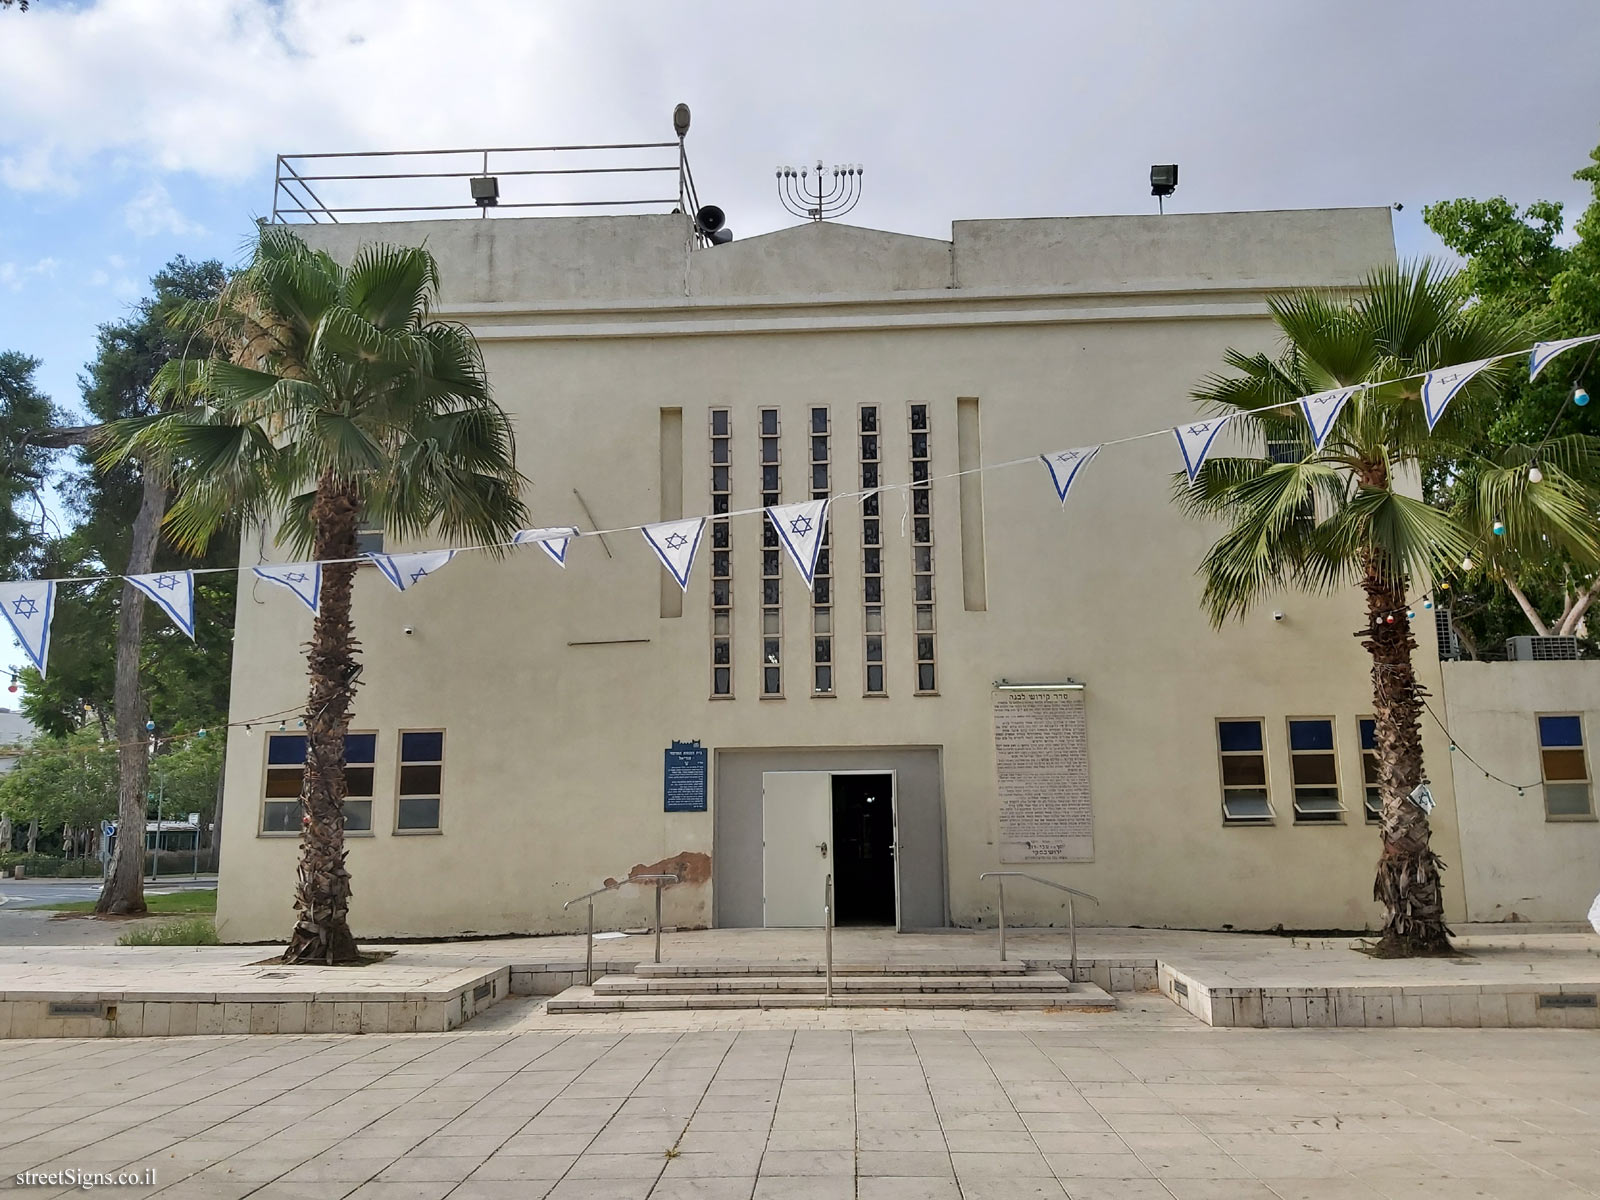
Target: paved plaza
{"x":1142,"y":1104}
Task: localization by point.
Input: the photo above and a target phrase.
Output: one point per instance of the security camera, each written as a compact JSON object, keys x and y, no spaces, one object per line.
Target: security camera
{"x":410,"y":631}
{"x":1277,"y":616}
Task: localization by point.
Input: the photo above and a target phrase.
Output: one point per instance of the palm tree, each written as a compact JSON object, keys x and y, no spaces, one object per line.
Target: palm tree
{"x":1350,"y":513}
{"x":334,"y":399}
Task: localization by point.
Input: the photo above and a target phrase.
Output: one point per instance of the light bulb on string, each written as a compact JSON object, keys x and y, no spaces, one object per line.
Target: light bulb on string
{"x":1535,"y":475}
{"x":1498,"y":528}
{"x":282,"y":725}
{"x":1428,"y":603}
{"x":1580,"y":397}
{"x":1411,"y":614}
{"x":1467,"y":564}
{"x":149,"y":726}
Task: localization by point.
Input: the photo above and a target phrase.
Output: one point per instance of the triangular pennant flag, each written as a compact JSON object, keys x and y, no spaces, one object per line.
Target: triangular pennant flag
{"x":1322,"y":410}
{"x":408,"y":570}
{"x":1440,"y":387}
{"x":553,"y":542}
{"x":1064,"y":466}
{"x":303,"y":579}
{"x":1543,"y":352}
{"x":800,"y":528}
{"x":29,"y":608}
{"x":675,"y":542}
{"x":1195,"y":442}
{"x":173,"y":592}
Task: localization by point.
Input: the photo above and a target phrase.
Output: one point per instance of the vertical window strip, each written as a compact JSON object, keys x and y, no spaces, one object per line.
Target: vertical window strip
{"x":922,"y":550}
{"x":1564,"y":767}
{"x":1242,"y":754}
{"x":1314,"y":771}
{"x":721,"y":554}
{"x":822,"y":589}
{"x":1373,"y":791}
{"x":771,"y":564}
{"x":870,"y":446}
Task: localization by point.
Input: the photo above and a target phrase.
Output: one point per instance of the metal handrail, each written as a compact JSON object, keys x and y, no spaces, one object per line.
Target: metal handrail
{"x":827,"y":941}
{"x":588,"y":950}
{"x":1072,"y":924}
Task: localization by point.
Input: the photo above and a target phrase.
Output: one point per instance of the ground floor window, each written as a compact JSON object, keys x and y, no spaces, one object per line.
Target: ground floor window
{"x":421,"y":781}
{"x":1315,"y":771}
{"x":1241,"y":746}
{"x":1373,"y":798}
{"x":286,"y":768}
{"x":1562,"y":763}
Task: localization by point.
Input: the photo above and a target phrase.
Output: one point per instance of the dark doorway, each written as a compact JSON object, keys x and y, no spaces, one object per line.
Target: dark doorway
{"x":863,"y":841}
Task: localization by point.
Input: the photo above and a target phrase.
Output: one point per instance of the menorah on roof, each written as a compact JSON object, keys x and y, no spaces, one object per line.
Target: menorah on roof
{"x":814,"y":197}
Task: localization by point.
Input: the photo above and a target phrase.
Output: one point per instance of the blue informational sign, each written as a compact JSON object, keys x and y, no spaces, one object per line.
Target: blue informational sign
{"x":684,"y":786}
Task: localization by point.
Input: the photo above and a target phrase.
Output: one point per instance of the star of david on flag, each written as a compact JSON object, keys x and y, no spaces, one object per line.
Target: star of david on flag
{"x":408,"y":570}
{"x":303,"y":579}
{"x":675,"y":543}
{"x":800,"y":528}
{"x":1064,"y":466}
{"x":173,"y":593}
{"x":1322,"y":409}
{"x":553,"y":542}
{"x":1195,"y":442}
{"x":1440,"y":387}
{"x":29,"y":608}
{"x":1543,"y":352}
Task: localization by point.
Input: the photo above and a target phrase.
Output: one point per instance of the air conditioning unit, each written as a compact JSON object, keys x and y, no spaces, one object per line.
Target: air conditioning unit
{"x":1449,"y":641}
{"x":1542,"y":649}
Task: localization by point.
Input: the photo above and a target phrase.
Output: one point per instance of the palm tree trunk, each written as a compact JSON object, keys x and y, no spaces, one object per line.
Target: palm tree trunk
{"x":1407,"y":884}
{"x":123,"y":890}
{"x":322,"y":898}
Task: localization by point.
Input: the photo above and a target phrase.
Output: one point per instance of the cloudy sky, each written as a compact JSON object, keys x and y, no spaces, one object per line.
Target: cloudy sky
{"x":132,"y":130}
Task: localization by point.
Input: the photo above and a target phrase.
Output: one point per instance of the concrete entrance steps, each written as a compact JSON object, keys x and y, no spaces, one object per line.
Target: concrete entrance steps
{"x":656,"y":987}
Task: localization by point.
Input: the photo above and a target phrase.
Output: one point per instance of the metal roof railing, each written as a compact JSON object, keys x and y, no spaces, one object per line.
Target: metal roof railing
{"x":339,"y":186}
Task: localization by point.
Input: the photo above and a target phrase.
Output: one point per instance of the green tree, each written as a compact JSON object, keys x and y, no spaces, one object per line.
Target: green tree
{"x":334,"y":394}
{"x":1515,"y":264}
{"x":61,"y":781}
{"x":1348,"y":515}
{"x":23,"y":409}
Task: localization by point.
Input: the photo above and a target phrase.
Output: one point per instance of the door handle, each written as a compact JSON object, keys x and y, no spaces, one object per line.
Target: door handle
{"x":822,"y":847}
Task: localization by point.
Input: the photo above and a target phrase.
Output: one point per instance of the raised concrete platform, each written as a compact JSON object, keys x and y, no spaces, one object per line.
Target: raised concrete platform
{"x":1221,"y":979}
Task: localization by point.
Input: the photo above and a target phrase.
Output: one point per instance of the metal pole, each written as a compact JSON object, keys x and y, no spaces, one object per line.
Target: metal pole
{"x":658,"y":920}
{"x":827,"y":942}
{"x":588,"y":950}
{"x":1000,"y":881}
{"x":1072,"y":931}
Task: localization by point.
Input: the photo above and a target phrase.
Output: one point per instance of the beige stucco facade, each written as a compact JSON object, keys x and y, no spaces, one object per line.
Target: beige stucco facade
{"x":1519,"y":863}
{"x":559,"y":690}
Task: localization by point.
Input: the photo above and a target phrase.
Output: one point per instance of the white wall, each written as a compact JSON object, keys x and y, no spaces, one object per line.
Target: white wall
{"x":1516,"y":863}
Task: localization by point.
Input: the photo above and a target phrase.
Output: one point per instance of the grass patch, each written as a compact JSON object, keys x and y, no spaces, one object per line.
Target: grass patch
{"x":192,"y":931}
{"x":168,"y":902}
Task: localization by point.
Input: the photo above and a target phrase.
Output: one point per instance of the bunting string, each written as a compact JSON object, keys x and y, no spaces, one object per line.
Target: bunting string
{"x":675,"y":542}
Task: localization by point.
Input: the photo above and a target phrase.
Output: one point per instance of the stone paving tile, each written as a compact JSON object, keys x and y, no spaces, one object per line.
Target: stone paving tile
{"x":1038,"y":1111}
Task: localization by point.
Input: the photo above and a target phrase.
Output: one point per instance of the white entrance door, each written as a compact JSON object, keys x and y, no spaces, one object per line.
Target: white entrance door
{"x":796,"y":837}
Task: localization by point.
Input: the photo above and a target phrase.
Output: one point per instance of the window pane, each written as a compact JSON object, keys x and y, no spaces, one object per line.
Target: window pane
{"x":824,"y":650}
{"x":719,"y":505}
{"x":920,"y":501}
{"x":924,"y":617}
{"x":419,"y":780}
{"x":1311,"y":735}
{"x":358,"y":815}
{"x":719,"y":535}
{"x":925,"y":648}
{"x":870,"y":534}
{"x":922,"y":559}
{"x":771,"y":591}
{"x":283,"y":781}
{"x":872,"y":589}
{"x":361,"y":747}
{"x":922,"y":530}
{"x":1239,"y":735}
{"x":919,"y":416}
{"x":819,"y":477}
{"x":721,"y":652}
{"x":819,"y":420}
{"x":769,"y":563}
{"x":1246,"y":805}
{"x":771,"y":623}
{"x":925,"y":681}
{"x":722,"y":682}
{"x":720,"y":624}
{"x":924,"y":587}
{"x":1369,"y":733}
{"x":874,"y":649}
{"x":281,"y":817}
{"x":869,"y":419}
{"x":286,"y":748}
{"x":919,"y":445}
{"x":1567,"y":799}
{"x":719,"y":451}
{"x":721,"y":563}
{"x":719,"y":479}
{"x":418,"y":813}
{"x":1244,"y":769}
{"x":919,"y":473}
{"x":874,"y":679}
{"x":769,"y":450}
{"x":719,"y":422}
{"x":819,"y":449}
{"x":869,"y":479}
{"x":1564,"y":764}
{"x":769,"y":478}
{"x":358,"y":781}
{"x":772,"y":650}
{"x":1316,"y":799}
{"x":422,"y":747}
{"x":771,"y":681}
{"x":1313,"y":768}
{"x":869,"y":504}
{"x":869,"y":448}
{"x":822,"y":621}
{"x":822,"y":589}
{"x":769,"y":420}
{"x":1374,"y":801}
{"x":1560,"y":731}
{"x":369,"y":541}
{"x":824,"y":679}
